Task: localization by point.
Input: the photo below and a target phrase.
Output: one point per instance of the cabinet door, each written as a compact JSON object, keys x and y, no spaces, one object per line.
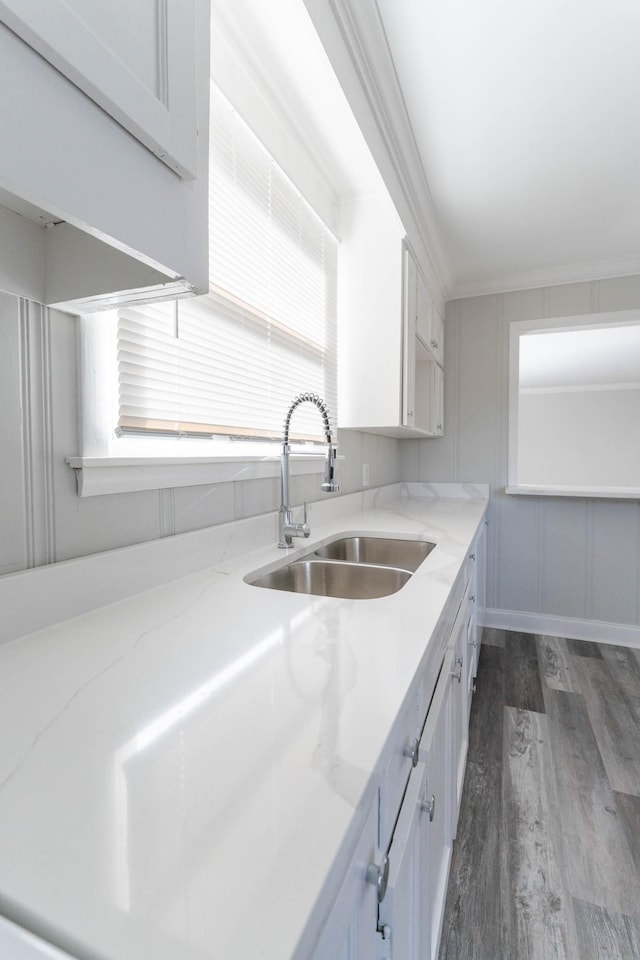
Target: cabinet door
{"x":350,"y":932}
{"x":404,"y":908}
{"x":470,"y":668}
{"x":408,"y":340}
{"x":479,"y":590}
{"x":436,"y":339}
{"x":420,"y":851}
{"x":460,"y":726}
{"x":424,"y":310}
{"x":436,"y":746}
{"x":428,"y":393}
{"x":135,"y":60}
{"x":437,"y":401}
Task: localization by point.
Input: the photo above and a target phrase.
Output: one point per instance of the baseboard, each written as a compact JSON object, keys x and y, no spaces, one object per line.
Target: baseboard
{"x":627,"y":635}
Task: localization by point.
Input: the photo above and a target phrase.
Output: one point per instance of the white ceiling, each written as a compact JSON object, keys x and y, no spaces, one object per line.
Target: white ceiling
{"x":526,"y":118}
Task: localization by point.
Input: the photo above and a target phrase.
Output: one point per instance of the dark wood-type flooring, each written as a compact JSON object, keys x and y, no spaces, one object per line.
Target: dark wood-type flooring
{"x":546,"y":863}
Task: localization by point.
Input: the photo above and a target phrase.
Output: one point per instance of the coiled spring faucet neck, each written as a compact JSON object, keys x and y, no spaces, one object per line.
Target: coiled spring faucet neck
{"x":287,"y":528}
{"x":320,"y":404}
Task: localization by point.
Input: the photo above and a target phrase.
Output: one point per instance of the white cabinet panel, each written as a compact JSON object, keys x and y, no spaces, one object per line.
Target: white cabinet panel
{"x":418,"y":801}
{"x":70,"y":166}
{"x":436,"y":338}
{"x":436,"y":837}
{"x":438,"y":401}
{"x":134,"y":60}
{"x":420,"y":852}
{"x":350,"y":932}
{"x":428,"y":379}
{"x":409,"y":342}
{"x":387,"y":383}
{"x":424,"y":309}
{"x":423,"y":377}
{"x":459,"y":646}
{"x":429,"y":323}
{"x":18,"y":944}
{"x":479,"y":588}
{"x":370,"y":338}
{"x":404,"y":908}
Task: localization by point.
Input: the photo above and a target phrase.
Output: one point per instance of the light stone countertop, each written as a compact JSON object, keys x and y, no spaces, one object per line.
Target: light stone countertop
{"x":183,"y":772}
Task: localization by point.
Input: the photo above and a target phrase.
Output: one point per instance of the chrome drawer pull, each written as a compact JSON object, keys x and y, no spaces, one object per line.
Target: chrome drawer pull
{"x":429,"y":806}
{"x":378,"y":875}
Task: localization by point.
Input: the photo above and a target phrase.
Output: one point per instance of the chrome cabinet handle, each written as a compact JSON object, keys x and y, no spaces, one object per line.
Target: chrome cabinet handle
{"x":458,"y":674}
{"x":429,"y":806}
{"x":411,"y":750}
{"x":378,"y":875}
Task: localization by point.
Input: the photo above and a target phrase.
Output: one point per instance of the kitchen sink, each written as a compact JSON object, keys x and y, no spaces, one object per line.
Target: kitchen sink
{"x":334,"y":578}
{"x":407,"y":554}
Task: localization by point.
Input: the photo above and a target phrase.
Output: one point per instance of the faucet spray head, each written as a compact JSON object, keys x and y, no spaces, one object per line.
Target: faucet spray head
{"x":330,"y":485}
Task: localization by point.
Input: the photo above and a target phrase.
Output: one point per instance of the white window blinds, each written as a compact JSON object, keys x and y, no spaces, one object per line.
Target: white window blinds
{"x":231,"y":362}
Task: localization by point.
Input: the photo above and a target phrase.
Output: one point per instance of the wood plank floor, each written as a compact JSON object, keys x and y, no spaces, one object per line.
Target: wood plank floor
{"x":546,"y":863}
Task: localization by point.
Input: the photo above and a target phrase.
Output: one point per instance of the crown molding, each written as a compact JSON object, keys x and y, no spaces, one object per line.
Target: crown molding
{"x":552,"y":277}
{"x":355,"y":41}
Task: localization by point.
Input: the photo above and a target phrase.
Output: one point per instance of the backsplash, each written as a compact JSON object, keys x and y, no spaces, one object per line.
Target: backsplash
{"x":66,"y":590}
{"x":42,"y":519}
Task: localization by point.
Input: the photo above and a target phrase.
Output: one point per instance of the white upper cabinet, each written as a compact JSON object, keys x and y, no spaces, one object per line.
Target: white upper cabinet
{"x":390,"y":379}
{"x":429,"y":323}
{"x":436,"y":338}
{"x":423,"y":335}
{"x":105,"y":116}
{"x":130,"y":58}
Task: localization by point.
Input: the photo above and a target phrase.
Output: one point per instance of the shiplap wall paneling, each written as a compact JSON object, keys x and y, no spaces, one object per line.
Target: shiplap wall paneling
{"x":13,"y":554}
{"x":42,"y":519}
{"x":571,"y":559}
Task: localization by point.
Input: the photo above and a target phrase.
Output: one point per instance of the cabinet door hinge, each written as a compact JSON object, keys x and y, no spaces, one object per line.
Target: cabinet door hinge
{"x":383,"y":942}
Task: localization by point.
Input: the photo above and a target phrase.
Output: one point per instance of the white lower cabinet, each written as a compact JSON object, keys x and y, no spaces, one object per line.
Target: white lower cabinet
{"x":460,"y":697}
{"x":436,"y":746}
{"x":351,"y":929}
{"x":402,"y":915}
{"x":420,"y":852}
{"x":391,"y":908}
{"x":479,"y":554}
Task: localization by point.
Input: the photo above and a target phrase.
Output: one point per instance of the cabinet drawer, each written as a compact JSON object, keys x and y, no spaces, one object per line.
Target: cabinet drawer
{"x":398,"y":770}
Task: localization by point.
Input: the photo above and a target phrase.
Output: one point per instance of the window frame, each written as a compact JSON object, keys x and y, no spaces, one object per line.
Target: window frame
{"x":112,"y":464}
{"x":557,"y":324}
{"x":131,"y":462}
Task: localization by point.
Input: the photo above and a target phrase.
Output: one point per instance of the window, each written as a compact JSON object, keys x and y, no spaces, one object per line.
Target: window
{"x":574,"y":407}
{"x":230,"y":363}
{"x":271,"y":308}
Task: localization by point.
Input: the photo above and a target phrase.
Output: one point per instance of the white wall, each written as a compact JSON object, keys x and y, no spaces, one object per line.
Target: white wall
{"x":575,"y":560}
{"x":579,"y":437}
{"x":42,"y":519}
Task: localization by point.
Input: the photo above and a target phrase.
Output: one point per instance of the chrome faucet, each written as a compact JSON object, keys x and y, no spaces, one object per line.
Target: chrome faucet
{"x":287,"y":528}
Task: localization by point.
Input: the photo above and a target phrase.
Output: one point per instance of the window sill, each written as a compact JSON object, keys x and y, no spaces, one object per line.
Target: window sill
{"x":99,"y":476}
{"x":599,"y":493}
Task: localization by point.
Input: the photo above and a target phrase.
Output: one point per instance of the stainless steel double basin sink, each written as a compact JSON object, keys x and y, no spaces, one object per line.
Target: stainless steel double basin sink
{"x":350,"y":567}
